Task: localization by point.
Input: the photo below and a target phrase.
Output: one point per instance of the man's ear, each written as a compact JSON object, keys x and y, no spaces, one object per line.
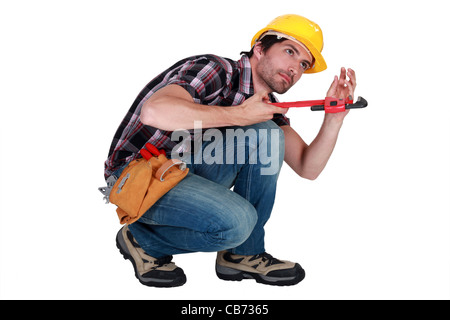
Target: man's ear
{"x":258,"y":50}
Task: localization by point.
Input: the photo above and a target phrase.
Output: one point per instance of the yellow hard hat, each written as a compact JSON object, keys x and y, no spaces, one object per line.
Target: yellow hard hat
{"x":298,"y":28}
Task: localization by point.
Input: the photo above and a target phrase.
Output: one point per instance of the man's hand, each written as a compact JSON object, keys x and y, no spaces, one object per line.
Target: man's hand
{"x":256,"y":109}
{"x":342,"y":88}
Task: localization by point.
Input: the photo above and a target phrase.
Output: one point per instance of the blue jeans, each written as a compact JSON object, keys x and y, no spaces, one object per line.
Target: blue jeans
{"x":202,"y":213}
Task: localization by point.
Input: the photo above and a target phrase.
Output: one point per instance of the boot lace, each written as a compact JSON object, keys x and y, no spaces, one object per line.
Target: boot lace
{"x":162,"y":261}
{"x":266,"y":257}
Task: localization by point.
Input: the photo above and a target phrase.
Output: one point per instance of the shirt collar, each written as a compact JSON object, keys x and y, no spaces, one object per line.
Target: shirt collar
{"x":245,"y":80}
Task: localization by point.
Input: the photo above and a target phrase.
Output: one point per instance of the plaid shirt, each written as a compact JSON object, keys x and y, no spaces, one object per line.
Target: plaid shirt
{"x":210,"y":80}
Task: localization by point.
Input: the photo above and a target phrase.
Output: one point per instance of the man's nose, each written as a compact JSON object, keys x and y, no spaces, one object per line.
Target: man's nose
{"x":293,"y":71}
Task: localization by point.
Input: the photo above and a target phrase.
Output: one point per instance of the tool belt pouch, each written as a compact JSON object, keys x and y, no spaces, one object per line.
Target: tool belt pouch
{"x":142,"y":183}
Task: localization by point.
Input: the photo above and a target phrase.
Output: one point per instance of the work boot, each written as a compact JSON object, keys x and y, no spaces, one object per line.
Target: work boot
{"x":149,"y":271}
{"x":262,"y":267}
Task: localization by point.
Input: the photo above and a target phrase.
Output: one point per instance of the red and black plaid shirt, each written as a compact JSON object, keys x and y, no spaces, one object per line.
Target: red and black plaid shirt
{"x":211,"y":80}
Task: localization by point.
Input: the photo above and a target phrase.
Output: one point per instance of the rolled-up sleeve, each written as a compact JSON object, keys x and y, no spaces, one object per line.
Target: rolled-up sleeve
{"x":202,"y":78}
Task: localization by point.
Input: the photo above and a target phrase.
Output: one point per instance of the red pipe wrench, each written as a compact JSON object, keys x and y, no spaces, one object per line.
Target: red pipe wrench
{"x":330,"y":105}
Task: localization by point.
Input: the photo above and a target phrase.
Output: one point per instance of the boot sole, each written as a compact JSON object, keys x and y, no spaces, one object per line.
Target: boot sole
{"x":230,"y":274}
{"x":150,"y":282}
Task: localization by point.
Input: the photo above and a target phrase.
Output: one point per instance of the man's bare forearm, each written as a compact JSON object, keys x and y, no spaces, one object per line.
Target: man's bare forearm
{"x":172,"y":108}
{"x":316,"y":155}
{"x":308,"y":161}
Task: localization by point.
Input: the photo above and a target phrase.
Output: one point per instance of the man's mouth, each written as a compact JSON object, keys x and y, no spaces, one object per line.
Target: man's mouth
{"x":286,"y":77}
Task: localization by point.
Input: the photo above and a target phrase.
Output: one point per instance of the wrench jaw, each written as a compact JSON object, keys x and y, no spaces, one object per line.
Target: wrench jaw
{"x":360,"y":103}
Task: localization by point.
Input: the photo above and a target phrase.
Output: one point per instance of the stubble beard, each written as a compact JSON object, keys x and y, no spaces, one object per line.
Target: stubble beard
{"x":267,"y":73}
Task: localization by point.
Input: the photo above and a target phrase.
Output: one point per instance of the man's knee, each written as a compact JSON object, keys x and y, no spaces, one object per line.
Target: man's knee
{"x":244,"y":225}
{"x":237,"y":225}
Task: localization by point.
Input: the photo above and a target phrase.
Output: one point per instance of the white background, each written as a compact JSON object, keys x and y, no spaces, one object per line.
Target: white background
{"x":375,"y":225}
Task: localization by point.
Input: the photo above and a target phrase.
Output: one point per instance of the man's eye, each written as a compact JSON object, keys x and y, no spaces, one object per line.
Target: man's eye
{"x":289,"y":52}
{"x":304,"y":65}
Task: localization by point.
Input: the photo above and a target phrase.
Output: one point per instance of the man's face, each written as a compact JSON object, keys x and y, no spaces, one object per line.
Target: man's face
{"x":282,"y":65}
